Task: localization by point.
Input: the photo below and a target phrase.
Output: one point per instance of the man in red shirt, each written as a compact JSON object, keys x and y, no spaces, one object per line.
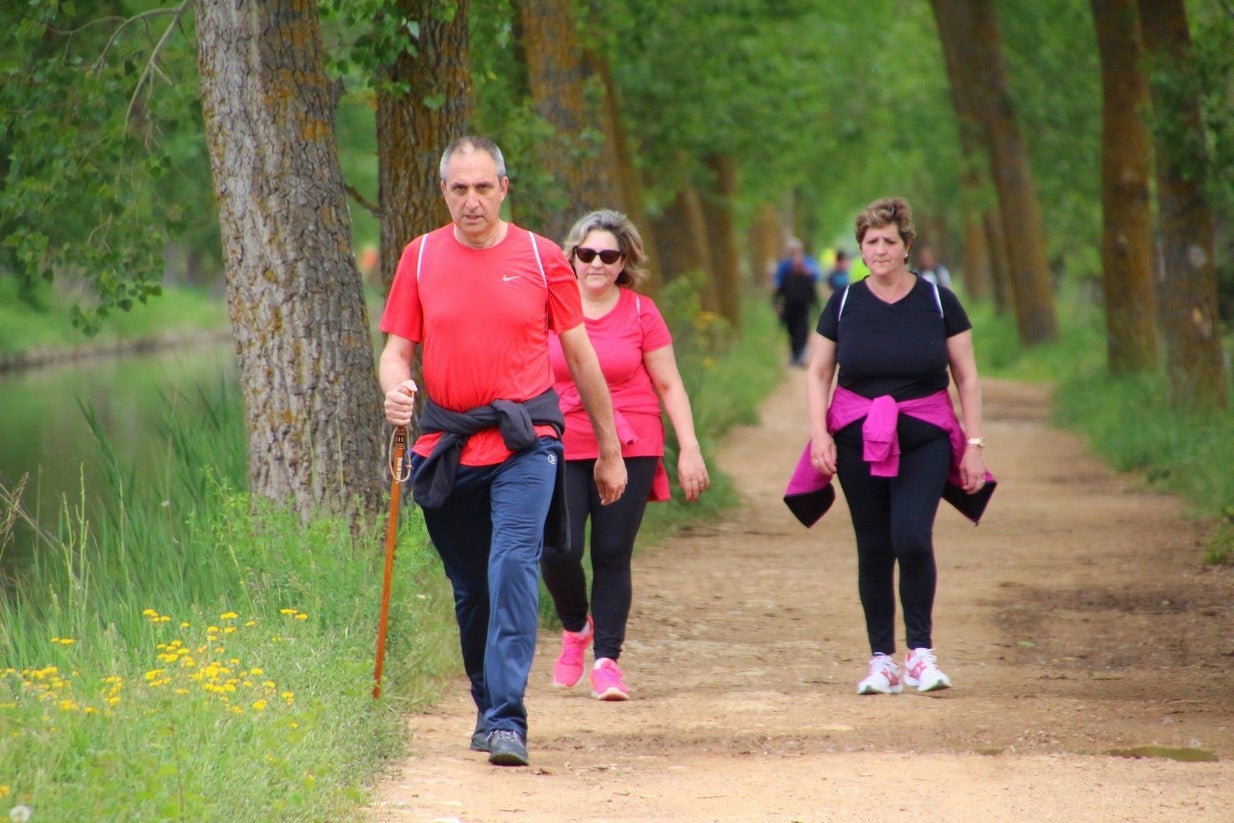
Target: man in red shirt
{"x":479,"y":296}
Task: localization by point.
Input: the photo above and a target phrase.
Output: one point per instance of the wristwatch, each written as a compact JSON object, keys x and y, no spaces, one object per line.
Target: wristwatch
{"x":979,"y":442}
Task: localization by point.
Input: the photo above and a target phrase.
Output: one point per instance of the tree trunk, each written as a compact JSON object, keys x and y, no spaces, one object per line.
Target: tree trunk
{"x":1188,"y":292}
{"x":722,"y":236}
{"x":1126,"y":235}
{"x":415,"y":126}
{"x":620,"y":157}
{"x":312,"y":403}
{"x":972,"y":28}
{"x":997,"y":244}
{"x":977,"y":275}
{"x":681,"y":237}
{"x":556,"y":77}
{"x":983,"y":272}
{"x":766,"y":241}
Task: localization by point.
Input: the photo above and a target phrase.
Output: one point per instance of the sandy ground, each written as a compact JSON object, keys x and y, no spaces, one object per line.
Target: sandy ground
{"x":1076,"y":623}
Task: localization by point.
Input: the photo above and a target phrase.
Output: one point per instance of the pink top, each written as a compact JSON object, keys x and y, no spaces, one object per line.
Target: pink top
{"x":473,"y":356}
{"x":621,"y":338}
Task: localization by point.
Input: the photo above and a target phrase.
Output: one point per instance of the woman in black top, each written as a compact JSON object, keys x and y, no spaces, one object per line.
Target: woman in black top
{"x":894,"y":338}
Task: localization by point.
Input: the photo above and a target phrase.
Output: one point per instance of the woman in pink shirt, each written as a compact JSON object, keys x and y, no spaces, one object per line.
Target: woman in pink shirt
{"x":635,"y":350}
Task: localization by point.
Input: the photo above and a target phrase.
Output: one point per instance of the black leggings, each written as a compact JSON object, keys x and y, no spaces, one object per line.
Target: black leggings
{"x":894,"y":521}
{"x":613,"y":530}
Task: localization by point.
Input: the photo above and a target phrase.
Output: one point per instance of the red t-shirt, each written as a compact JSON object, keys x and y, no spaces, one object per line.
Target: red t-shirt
{"x":621,"y":338}
{"x":482,"y":319}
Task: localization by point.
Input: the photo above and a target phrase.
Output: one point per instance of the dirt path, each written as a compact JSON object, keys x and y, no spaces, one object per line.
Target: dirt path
{"x":1074,"y":622}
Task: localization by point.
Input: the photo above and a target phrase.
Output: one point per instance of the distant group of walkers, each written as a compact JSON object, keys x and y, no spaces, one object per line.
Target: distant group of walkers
{"x":545,"y":373}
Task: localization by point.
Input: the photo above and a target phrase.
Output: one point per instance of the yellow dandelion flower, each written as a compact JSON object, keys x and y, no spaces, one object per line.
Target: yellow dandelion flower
{"x":182,"y":691}
{"x":228,"y":616}
{"x":270,"y":684}
{"x":248,"y":624}
{"x":164,"y":619}
{"x":301,"y":616}
{"x":212,"y":629}
{"x":113,"y":700}
{"x":288,"y":611}
{"x":149,"y":613}
{"x":295,"y":725}
{"x":154,"y":673}
{"x":257,"y":671}
{"x":259,"y":705}
{"x":229,"y":630}
{"x":5,"y":790}
{"x":184,"y":624}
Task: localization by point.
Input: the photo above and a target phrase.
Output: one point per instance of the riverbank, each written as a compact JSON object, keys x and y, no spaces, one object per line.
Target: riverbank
{"x":32,"y":336}
{"x":48,"y":355}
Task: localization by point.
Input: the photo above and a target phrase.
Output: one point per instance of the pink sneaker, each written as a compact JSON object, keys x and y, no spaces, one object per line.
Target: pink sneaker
{"x":569,"y":668}
{"x":922,"y":671}
{"x":884,"y":677}
{"x":606,"y":683}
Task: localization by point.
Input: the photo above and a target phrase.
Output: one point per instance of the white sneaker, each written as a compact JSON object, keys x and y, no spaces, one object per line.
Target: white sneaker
{"x":884,"y":677}
{"x":923,"y":672}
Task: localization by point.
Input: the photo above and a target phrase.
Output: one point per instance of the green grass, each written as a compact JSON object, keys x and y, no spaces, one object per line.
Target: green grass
{"x":193,"y":655}
{"x":1127,"y":420}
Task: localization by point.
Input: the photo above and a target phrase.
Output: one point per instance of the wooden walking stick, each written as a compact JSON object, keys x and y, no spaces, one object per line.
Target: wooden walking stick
{"x":399,"y":474}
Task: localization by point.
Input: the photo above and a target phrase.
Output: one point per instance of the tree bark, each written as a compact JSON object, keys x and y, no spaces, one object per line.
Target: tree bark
{"x":555,"y":74}
{"x":619,"y":157}
{"x":415,"y":126}
{"x":1188,"y":290}
{"x":1126,"y":236}
{"x":766,"y":241}
{"x":312,"y":403}
{"x":681,"y":237}
{"x":722,"y":236}
{"x":985,"y":274}
{"x":972,"y":28}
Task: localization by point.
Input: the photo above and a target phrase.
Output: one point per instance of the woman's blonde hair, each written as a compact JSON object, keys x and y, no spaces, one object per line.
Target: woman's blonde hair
{"x":629,"y":242}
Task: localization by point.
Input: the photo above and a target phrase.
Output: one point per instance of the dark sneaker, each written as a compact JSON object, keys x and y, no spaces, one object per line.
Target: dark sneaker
{"x":506,"y":748}
{"x":479,"y":737}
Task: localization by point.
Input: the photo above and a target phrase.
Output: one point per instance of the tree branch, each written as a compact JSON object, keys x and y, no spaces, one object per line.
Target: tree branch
{"x":98,"y":64}
{"x":365,"y":204}
{"x":158,"y":47}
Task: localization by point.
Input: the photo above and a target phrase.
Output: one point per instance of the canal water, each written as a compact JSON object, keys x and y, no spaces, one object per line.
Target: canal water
{"x":45,"y":434}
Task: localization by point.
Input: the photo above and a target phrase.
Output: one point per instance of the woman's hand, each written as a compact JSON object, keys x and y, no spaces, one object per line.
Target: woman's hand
{"x":823,"y":453}
{"x":401,"y":403}
{"x":972,"y":469}
{"x":692,"y":473}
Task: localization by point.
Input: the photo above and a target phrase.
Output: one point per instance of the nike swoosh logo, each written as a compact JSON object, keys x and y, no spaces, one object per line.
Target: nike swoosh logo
{"x":506,"y":278}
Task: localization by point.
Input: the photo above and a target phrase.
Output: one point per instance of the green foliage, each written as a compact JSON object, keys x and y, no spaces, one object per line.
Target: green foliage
{"x":1055,"y":77}
{"x":1219,"y":547}
{"x":102,"y":151}
{"x":1214,"y":59}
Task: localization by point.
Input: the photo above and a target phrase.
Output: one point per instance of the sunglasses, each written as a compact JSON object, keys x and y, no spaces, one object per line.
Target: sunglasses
{"x":608,"y":257}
